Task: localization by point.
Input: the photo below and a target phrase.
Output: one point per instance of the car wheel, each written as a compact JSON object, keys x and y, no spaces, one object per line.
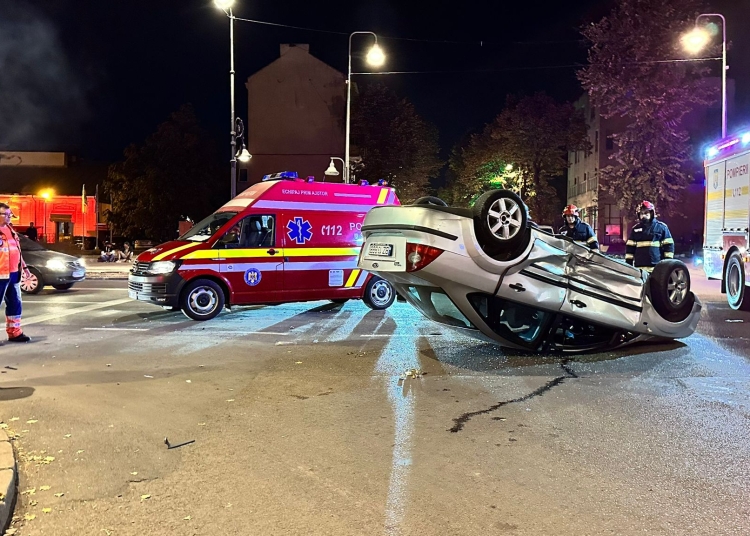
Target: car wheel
{"x":66,"y":286}
{"x":430,"y":200}
{"x":379,"y":294}
{"x":202,"y":299}
{"x":670,"y":290}
{"x":33,"y":284}
{"x":501,"y":221}
{"x":734,"y":279}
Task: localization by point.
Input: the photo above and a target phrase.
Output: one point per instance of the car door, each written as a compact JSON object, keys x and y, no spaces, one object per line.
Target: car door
{"x":602,"y":290}
{"x":251,"y":261}
{"x":539,"y":280}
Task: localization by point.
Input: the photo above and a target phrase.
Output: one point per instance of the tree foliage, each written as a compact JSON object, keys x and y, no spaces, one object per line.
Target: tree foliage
{"x":173,"y":173}
{"x":630,"y":76}
{"x":522,"y":150}
{"x":395,"y":143}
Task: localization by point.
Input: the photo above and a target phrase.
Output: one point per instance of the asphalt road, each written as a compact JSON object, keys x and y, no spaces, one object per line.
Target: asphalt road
{"x":304,"y":423}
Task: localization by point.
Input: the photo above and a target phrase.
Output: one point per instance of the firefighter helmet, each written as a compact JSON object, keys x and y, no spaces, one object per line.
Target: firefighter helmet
{"x":571,"y":210}
{"x":647,"y":206}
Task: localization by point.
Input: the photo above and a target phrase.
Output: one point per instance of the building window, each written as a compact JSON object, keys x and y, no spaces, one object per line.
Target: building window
{"x":593,"y":113}
{"x":243,"y":175}
{"x":610,"y":142}
{"x":577,"y":157}
{"x":585,"y":177}
{"x":596,"y":141}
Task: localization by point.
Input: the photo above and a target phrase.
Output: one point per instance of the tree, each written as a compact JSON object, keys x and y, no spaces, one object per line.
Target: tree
{"x":174,"y":173}
{"x":630,"y":75}
{"x":395,"y":143}
{"x":522,"y":149}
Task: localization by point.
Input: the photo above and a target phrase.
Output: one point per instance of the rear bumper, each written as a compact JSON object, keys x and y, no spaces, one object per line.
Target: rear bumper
{"x":157,"y":289}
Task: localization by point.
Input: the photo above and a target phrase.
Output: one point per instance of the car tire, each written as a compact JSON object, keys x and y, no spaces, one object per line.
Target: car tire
{"x":66,"y":286}
{"x":33,"y":285}
{"x":670,"y":290}
{"x":202,"y":299}
{"x":430,"y":200}
{"x":379,"y":294}
{"x":734,"y":279}
{"x":501,"y":222}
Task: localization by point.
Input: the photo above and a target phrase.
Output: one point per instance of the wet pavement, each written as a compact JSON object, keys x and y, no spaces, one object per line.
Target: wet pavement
{"x":305,"y":421}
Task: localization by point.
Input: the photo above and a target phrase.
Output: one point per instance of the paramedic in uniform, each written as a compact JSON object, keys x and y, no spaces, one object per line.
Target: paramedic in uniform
{"x":11,"y":264}
{"x":650,"y":240}
{"x":577,"y":230}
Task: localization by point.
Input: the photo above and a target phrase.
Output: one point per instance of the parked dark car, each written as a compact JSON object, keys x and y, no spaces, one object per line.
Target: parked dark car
{"x":58,"y":270}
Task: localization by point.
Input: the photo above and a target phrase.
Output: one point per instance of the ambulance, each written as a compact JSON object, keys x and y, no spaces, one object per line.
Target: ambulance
{"x":727,"y":219}
{"x":282,"y":240}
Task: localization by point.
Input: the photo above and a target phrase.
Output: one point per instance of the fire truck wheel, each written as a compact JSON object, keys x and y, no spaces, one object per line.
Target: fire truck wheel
{"x":33,"y":284}
{"x":670,"y":290}
{"x":734,"y":278}
{"x":379,"y":294}
{"x":501,"y":222}
{"x":202,"y":299}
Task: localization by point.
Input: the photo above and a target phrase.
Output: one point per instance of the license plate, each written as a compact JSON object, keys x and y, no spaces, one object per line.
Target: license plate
{"x":79,"y":273}
{"x":380,"y":250}
{"x":133,"y":295}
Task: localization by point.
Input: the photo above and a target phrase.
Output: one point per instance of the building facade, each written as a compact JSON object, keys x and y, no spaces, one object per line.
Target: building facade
{"x":296,"y":116}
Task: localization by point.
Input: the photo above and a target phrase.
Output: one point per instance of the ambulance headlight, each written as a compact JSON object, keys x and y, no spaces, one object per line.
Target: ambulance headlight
{"x":56,"y":265}
{"x":162,"y":267}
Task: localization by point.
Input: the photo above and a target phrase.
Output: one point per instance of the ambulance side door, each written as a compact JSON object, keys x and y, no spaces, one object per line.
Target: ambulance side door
{"x":252,"y":261}
{"x":320,"y":254}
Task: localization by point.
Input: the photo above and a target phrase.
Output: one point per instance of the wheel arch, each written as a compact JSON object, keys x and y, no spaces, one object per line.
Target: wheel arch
{"x":223,"y":284}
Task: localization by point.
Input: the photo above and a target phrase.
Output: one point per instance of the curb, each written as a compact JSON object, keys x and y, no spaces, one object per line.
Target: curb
{"x":8,"y":480}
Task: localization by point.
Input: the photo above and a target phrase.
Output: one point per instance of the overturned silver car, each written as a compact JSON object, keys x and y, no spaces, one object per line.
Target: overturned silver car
{"x":490,"y":272}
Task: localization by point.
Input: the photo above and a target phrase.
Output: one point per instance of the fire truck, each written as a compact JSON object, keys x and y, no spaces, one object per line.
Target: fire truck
{"x":285,"y":239}
{"x":727,"y":218}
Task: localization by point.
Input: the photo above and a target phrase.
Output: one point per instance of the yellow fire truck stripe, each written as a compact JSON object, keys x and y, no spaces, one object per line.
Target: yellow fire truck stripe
{"x":714,"y":196}
{"x":352,"y":278}
{"x":382,"y":196}
{"x":321,"y":252}
{"x":160,"y":256}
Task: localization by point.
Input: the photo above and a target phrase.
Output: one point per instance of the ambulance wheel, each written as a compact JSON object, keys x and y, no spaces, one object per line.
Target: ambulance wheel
{"x":734,"y":278}
{"x":379,"y":294}
{"x":670,"y":290}
{"x":33,"y":284}
{"x":202,"y":299}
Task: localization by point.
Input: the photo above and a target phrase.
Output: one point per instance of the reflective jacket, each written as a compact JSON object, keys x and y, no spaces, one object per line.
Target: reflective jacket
{"x":648,"y":244}
{"x":581,"y":232}
{"x":5,"y":268}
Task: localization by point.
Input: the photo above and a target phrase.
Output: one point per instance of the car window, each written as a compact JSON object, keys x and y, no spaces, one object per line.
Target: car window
{"x":29,"y":245}
{"x":436,"y":305}
{"x":206,"y":228}
{"x":255,"y":231}
{"x":514,"y":322}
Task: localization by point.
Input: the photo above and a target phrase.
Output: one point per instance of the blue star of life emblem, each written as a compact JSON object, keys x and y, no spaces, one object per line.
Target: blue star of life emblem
{"x":299,"y":230}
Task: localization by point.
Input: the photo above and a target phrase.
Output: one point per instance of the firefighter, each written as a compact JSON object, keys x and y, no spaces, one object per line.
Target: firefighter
{"x":576,"y":229}
{"x":11,"y":264}
{"x":650,"y":240}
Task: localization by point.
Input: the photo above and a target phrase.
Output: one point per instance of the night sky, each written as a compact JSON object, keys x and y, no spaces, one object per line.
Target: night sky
{"x":90,"y":77}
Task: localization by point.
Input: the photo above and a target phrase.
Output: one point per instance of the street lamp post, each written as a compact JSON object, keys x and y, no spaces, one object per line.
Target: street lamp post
{"x":332,"y":171}
{"x":695,"y":40}
{"x":375,"y":57}
{"x":226,"y":6}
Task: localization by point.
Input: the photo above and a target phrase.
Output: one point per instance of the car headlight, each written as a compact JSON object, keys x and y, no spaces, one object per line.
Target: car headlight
{"x":162,"y":267}
{"x":56,"y":264}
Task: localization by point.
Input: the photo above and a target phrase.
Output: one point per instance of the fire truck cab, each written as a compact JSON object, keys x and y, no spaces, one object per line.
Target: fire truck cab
{"x":727,"y":218}
{"x":282,"y":240}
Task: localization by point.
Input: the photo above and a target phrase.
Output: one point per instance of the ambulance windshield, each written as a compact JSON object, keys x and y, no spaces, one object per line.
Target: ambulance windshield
{"x":206,"y":228}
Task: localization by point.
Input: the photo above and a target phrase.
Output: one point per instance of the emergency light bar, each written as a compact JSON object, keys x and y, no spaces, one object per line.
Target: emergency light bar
{"x":280,"y":176}
{"x":716,"y":149}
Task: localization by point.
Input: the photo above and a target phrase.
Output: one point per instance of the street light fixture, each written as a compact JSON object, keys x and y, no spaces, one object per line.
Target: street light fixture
{"x":696,"y":40}
{"x":375,"y":57}
{"x":46,"y":195}
{"x":332,"y":171}
{"x":226,"y":7}
{"x":243,"y":155}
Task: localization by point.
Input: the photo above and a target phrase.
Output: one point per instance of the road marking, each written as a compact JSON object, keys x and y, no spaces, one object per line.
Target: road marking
{"x":54,"y":316}
{"x":58,"y":302}
{"x":116,"y":329}
{"x":266,"y":333}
